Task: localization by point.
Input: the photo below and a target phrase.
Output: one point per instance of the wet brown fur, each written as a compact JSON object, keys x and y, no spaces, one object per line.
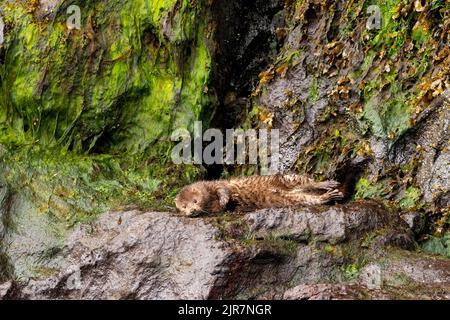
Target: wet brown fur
{"x":256,"y":192}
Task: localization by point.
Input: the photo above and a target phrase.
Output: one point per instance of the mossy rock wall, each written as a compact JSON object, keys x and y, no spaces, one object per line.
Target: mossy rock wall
{"x":86,"y":114}
{"x":102,"y":100}
{"x":133,"y":72}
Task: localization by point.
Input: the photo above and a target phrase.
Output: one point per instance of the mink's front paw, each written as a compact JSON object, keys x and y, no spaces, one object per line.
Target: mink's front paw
{"x":223,"y":202}
{"x":224,"y":197}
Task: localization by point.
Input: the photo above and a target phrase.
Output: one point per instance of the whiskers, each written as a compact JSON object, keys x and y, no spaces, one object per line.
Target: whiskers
{"x":198,"y":212}
{"x":169,"y":208}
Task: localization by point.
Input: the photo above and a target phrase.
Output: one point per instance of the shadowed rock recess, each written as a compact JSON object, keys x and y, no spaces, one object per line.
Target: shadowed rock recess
{"x":87,"y":182}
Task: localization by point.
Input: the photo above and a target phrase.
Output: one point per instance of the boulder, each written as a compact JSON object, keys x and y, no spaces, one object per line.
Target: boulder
{"x":327,"y":252}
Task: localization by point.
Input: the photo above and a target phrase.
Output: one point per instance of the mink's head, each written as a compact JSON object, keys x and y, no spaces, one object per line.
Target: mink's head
{"x":192,"y":200}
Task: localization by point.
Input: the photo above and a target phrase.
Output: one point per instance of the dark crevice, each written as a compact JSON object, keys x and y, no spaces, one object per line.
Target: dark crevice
{"x":245,"y":42}
{"x":348,"y":175}
{"x":6,"y":268}
{"x":245,"y":34}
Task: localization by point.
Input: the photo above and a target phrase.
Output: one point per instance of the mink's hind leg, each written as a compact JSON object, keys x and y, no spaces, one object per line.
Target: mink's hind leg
{"x":327,"y":185}
{"x":295,"y":181}
{"x":312,"y":199}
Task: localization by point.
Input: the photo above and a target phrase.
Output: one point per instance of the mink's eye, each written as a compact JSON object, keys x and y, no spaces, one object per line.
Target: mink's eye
{"x":195,"y":200}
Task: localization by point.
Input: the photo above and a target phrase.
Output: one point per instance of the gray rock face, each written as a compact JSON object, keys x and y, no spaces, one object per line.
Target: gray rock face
{"x":28,"y":238}
{"x":431,"y":135}
{"x":135,"y":255}
{"x":332,"y":224}
{"x":430,"y":271}
{"x":407,"y":276}
{"x":5,"y":289}
{"x":284,"y":253}
{"x":300,"y":99}
{"x":331,"y":292}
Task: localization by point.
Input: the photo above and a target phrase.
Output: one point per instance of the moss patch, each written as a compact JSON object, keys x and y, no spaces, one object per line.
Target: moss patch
{"x":436,"y":245}
{"x":410,"y":198}
{"x":366,"y":189}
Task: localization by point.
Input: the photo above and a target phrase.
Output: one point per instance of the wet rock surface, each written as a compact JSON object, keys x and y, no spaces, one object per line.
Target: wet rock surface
{"x":330,"y":252}
{"x":135,"y":255}
{"x":332,"y":224}
{"x":331,"y":292}
{"x":5,"y":289}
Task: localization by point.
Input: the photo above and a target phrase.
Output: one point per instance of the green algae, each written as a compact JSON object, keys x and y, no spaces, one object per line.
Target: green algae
{"x":86,"y":115}
{"x":110,"y":92}
{"x":388,"y":115}
{"x":350,"y":271}
{"x":366,"y":189}
{"x":53,"y":191}
{"x":389,"y":120}
{"x":396,"y":59}
{"x":410,"y":199}
{"x":314,"y":90}
{"x":98,"y":84}
{"x":438,"y":245}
